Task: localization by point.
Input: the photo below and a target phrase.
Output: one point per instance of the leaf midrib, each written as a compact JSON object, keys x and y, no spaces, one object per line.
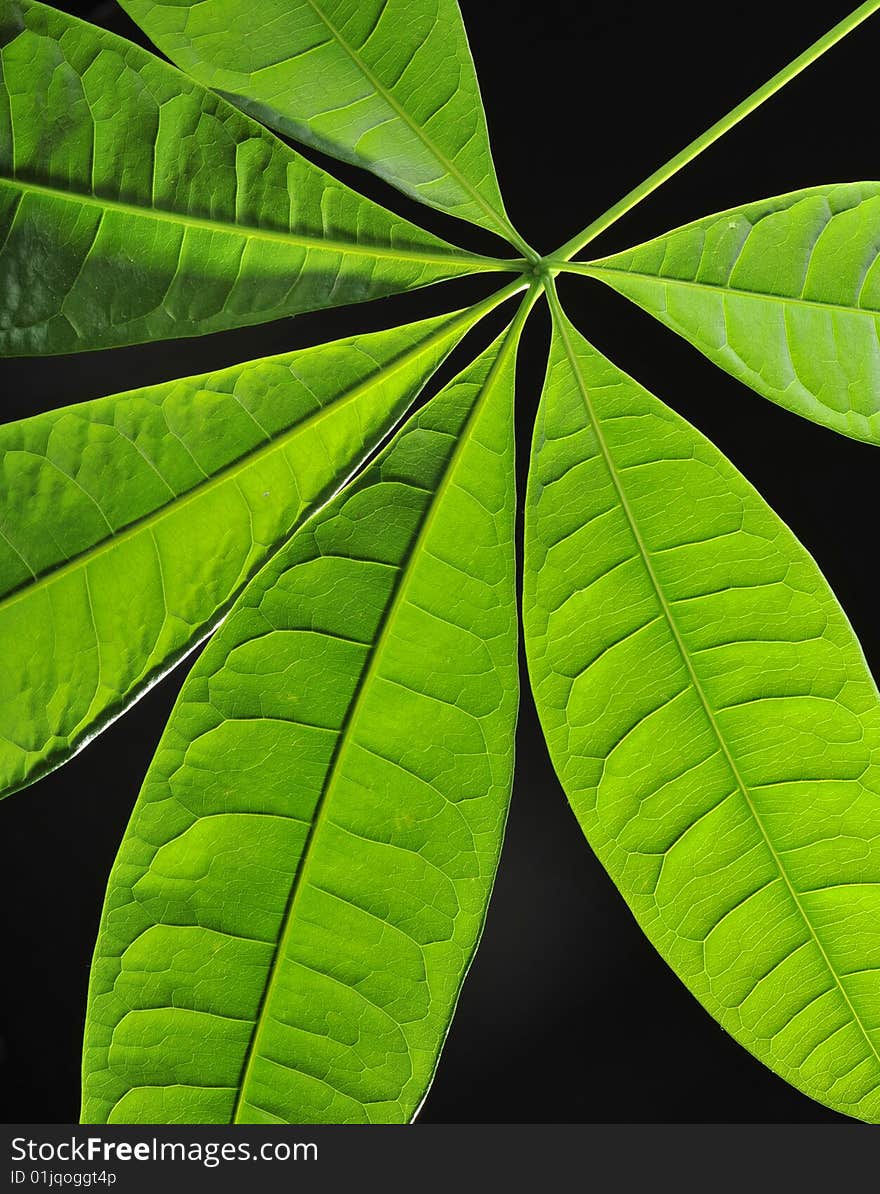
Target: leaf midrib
{"x":148,"y":521}
{"x":600,"y":271}
{"x":314,"y":242}
{"x":498,"y":219}
{"x":299,"y":881}
{"x":560,"y":324}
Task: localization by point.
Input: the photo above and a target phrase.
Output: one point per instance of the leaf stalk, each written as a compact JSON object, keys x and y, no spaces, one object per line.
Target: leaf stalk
{"x":713,"y":134}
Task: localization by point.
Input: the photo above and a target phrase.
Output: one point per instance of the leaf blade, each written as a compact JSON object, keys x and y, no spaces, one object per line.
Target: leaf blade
{"x":135,"y":205}
{"x":783,"y":294}
{"x":381,"y":882}
{"x":712,"y":720}
{"x":393,"y":66}
{"x":130,"y":523}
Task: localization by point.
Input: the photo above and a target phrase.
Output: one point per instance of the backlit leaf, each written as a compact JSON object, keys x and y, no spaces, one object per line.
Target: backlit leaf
{"x":784,"y":294}
{"x":135,"y":205}
{"x":712,"y":721}
{"x":307,"y":868}
{"x":386,"y":84}
{"x":128,"y":524}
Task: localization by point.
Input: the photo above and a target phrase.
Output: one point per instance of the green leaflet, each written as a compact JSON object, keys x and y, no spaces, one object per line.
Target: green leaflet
{"x":128,"y":524}
{"x":307,"y":868}
{"x":784,"y":294}
{"x":386,"y":84}
{"x":134,"y":205}
{"x":712,"y":721}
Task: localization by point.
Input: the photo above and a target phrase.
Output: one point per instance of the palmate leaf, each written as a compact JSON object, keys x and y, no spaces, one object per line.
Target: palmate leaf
{"x":307,"y":868}
{"x":712,"y":721}
{"x":128,"y":524}
{"x":386,"y":84}
{"x":784,"y":294}
{"x":306,"y":873}
{"x":135,"y":205}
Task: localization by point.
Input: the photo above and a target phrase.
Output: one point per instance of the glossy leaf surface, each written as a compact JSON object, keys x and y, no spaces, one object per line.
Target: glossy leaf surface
{"x":712,"y":721}
{"x":135,"y":205}
{"x":386,"y":84}
{"x":307,"y":868}
{"x":128,"y":524}
{"x":784,"y":294}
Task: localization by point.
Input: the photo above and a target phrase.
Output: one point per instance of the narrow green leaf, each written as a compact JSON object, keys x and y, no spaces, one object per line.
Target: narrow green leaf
{"x":306,"y":872}
{"x":135,"y":205}
{"x":128,"y":524}
{"x":712,"y":721}
{"x":386,"y":84}
{"x":784,"y":294}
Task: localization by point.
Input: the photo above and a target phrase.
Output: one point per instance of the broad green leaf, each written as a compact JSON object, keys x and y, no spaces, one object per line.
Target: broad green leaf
{"x":306,"y":872}
{"x":128,"y":524}
{"x":386,"y":84}
{"x":135,"y":205}
{"x":712,"y":721}
{"x":784,"y":294}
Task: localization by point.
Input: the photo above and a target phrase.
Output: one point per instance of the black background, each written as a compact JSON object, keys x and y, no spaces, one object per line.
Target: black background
{"x":568,"y":1015}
